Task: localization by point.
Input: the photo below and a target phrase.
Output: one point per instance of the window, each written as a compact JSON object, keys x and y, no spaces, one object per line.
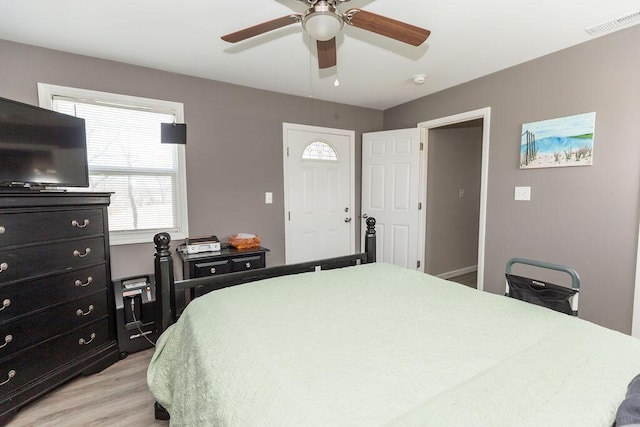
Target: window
{"x":126,"y":157}
{"x":319,"y":150}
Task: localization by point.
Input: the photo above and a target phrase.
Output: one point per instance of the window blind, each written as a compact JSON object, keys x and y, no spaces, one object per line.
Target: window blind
{"x":126,"y":157}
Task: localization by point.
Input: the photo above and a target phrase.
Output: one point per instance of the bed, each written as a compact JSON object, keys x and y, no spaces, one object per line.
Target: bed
{"x":375,"y":344}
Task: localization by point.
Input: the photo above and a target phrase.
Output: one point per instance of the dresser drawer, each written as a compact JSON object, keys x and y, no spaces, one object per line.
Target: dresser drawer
{"x":52,"y":257}
{"x":34,"y":227}
{"x":26,"y":366}
{"x":247,"y":263}
{"x":23,"y":298}
{"x":212,"y":268}
{"x":20,"y":334}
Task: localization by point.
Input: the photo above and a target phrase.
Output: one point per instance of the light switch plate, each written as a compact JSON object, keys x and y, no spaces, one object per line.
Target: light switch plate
{"x":522,"y":193}
{"x":268,"y":197}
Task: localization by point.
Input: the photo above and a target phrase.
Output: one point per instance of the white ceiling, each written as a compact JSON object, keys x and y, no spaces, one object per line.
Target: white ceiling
{"x":469,"y":39}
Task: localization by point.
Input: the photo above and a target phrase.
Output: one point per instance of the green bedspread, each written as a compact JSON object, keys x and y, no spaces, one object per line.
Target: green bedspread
{"x":380,"y":345}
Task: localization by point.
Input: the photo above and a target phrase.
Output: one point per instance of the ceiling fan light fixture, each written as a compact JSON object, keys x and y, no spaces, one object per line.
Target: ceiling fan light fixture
{"x":322,"y":22}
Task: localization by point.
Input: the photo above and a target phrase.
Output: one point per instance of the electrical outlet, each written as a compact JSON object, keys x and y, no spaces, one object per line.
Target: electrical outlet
{"x":461,"y":193}
{"x":268,"y":197}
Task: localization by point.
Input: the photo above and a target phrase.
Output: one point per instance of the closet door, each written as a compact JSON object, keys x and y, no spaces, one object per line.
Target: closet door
{"x":390,"y":193}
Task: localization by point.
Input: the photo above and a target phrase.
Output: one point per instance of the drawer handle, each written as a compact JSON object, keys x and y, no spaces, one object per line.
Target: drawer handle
{"x":79,"y":311}
{"x":85,"y":284}
{"x":10,"y":375}
{"x":2,"y":229}
{"x":248,"y":265}
{"x":6,"y":303}
{"x":7,"y":340}
{"x":3,"y":266}
{"x":213,"y":270}
{"x":82,"y":341}
{"x":80,"y":254}
{"x":77,"y":224}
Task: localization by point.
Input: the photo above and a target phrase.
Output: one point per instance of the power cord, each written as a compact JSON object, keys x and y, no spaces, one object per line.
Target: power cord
{"x":133,"y":314}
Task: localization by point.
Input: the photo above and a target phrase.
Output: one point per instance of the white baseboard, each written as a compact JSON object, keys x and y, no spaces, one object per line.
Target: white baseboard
{"x":458,"y":272}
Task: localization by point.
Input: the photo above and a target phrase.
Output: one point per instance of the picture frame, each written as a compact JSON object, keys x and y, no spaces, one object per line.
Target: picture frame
{"x":560,"y":142}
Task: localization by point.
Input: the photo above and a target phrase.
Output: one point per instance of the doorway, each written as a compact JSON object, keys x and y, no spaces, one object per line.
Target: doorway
{"x":319,"y":192}
{"x":453,"y":201}
{"x":459,"y":191}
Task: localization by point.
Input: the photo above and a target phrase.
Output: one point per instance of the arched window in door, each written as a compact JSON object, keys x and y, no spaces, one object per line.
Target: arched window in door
{"x":319,"y":150}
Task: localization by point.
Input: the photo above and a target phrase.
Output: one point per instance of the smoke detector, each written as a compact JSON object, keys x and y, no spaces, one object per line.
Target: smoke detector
{"x":419,"y":79}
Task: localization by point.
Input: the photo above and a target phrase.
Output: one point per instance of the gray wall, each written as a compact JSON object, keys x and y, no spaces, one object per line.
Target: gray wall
{"x":453,"y":162}
{"x":584,"y":217}
{"x":234,"y":149}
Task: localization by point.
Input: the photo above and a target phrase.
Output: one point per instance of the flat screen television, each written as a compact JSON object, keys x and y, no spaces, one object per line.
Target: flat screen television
{"x":40,"y":148}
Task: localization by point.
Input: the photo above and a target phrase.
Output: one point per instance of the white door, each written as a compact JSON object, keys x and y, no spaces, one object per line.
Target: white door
{"x":319,"y":192}
{"x":390,"y":193}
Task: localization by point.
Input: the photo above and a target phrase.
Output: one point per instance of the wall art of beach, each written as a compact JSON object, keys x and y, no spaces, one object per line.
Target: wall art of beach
{"x":565,"y":141}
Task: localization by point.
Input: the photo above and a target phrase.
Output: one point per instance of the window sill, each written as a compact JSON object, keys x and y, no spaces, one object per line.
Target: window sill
{"x":130,"y":238}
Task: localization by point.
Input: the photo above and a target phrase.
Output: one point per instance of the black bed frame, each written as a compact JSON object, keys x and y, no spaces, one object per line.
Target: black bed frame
{"x":166,"y":308}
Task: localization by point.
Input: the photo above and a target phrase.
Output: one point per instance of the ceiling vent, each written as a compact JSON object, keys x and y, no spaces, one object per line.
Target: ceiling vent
{"x":614,"y":24}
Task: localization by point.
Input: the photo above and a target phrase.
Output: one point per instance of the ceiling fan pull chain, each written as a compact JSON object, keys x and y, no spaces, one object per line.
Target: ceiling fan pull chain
{"x":310,"y":67}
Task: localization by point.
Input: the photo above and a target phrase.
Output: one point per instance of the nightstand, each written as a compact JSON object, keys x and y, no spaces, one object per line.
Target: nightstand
{"x":228,"y":260}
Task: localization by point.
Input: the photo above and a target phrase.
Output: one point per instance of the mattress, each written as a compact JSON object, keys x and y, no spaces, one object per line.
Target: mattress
{"x":380,"y":345}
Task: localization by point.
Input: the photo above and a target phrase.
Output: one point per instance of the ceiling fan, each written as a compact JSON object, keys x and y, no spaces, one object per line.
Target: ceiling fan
{"x":323,"y":21}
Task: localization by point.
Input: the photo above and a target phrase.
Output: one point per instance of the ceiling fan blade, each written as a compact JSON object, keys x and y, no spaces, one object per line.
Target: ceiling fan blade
{"x":262,"y":28}
{"x":326,"y":53}
{"x":388,"y":27}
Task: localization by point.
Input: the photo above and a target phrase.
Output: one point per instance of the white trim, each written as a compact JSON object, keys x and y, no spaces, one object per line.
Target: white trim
{"x":482,"y":113}
{"x":46,"y":92}
{"x":352,"y":177}
{"x":458,"y":272}
{"x":635,"y":317}
{"x":422,"y":196}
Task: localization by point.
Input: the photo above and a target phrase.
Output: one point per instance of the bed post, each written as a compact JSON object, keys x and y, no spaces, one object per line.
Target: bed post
{"x":165,"y":292}
{"x":370,"y":240}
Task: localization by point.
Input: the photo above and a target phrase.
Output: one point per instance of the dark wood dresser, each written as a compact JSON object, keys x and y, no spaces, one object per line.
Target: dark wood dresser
{"x":56,"y":302}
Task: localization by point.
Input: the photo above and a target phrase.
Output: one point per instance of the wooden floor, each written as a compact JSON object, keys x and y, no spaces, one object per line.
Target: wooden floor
{"x":469,"y":279}
{"x":117,"y":396}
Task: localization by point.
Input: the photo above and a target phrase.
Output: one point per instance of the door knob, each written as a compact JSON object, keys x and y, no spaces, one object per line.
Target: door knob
{"x":347,"y":219}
